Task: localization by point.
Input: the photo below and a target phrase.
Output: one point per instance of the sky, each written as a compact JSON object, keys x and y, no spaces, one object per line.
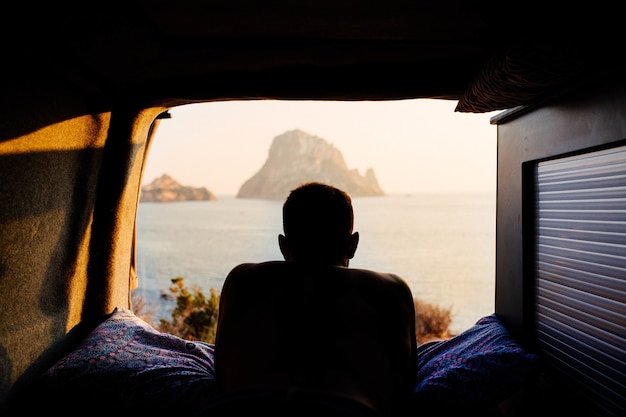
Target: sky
{"x":413,"y":146}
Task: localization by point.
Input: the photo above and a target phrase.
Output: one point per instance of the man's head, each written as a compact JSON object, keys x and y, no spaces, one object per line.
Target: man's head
{"x":317,"y":225}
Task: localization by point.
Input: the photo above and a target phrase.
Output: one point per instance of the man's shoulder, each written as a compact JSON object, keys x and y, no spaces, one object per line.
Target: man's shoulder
{"x":278,"y":271}
{"x":248,"y":266}
{"x":377,"y":275}
{"x":252,"y":277}
{"x":381,"y":281}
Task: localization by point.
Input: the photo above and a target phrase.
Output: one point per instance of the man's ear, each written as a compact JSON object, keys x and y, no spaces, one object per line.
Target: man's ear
{"x":283,"y":244}
{"x":353,"y":242}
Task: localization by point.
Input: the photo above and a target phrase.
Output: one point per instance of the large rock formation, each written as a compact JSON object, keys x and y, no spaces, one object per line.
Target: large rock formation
{"x":165,"y":189}
{"x":296,"y":157}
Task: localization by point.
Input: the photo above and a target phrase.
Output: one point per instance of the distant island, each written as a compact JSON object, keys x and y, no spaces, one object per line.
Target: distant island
{"x":165,"y":189}
{"x":296,"y":157}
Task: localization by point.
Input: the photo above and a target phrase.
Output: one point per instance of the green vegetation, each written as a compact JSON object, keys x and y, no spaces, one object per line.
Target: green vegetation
{"x":195,"y":315}
{"x":193,"y":318}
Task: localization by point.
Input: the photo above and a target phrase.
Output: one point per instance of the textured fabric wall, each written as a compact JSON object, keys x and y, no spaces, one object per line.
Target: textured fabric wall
{"x":69,"y":184}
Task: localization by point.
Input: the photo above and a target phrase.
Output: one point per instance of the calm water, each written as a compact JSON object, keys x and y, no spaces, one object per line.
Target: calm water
{"x":442,"y":245}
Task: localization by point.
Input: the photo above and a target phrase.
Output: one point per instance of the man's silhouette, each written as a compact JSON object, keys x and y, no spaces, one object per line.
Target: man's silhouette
{"x":309,"y":335}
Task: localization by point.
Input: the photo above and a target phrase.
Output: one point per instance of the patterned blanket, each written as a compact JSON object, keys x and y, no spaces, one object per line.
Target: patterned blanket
{"x":125,"y":362}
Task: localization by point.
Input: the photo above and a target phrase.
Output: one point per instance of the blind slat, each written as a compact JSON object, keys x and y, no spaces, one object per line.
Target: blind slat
{"x":580,"y":271}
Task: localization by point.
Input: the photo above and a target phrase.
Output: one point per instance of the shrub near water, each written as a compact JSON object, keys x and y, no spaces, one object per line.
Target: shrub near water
{"x":432,"y":322}
{"x":195,"y":315}
{"x":193,"y":318}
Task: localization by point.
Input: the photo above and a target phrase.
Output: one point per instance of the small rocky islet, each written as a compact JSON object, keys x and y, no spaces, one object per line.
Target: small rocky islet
{"x":294,"y":157}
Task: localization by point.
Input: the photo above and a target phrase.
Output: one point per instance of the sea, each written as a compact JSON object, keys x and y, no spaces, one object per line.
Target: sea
{"x":443,"y":245}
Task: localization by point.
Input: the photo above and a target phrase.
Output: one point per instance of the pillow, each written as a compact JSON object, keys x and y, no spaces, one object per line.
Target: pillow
{"x":475,"y":370}
{"x":124,"y":363}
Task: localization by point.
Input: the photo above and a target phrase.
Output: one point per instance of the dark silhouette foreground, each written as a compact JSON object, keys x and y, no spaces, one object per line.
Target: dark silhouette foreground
{"x":309,"y":335}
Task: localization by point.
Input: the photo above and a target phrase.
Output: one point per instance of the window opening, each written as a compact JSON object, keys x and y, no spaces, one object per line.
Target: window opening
{"x":434,"y":226}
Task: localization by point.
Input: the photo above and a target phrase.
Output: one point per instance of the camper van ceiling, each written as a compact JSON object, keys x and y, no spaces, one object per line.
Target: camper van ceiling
{"x":143,"y":53}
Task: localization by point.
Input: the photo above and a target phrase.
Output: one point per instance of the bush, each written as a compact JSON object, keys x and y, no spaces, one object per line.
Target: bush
{"x":143,"y":310}
{"x":193,"y":318}
{"x":431,"y":322}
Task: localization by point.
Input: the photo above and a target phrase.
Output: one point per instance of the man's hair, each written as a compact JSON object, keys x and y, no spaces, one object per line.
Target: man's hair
{"x":318,"y":220}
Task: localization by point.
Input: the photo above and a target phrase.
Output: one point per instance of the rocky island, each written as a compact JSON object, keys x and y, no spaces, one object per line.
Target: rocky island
{"x":296,"y":157}
{"x":165,"y":189}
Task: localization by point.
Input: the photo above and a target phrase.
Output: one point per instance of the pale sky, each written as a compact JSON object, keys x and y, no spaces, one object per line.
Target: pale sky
{"x":413,"y":146}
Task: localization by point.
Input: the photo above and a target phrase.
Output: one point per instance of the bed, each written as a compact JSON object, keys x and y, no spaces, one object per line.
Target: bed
{"x":125,"y":365}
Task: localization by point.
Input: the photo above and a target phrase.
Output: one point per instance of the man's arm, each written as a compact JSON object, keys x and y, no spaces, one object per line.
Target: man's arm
{"x":406,"y":310}
{"x":227,"y":316}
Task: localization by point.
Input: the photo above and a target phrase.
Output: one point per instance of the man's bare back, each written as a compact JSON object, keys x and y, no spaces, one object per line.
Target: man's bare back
{"x":332,"y":330}
{"x":319,"y":332}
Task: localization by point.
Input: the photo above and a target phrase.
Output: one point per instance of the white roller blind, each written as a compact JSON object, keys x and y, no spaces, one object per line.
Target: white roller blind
{"x":581,"y":272}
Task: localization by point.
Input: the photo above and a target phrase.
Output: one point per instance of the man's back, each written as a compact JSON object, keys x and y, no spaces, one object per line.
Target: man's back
{"x":320,"y":330}
{"x":310,"y":336}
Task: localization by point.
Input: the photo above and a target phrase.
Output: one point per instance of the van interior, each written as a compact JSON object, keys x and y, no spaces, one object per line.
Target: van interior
{"x":86,"y":86}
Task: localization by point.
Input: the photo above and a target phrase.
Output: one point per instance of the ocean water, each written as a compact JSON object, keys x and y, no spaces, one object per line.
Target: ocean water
{"x":442,"y":245}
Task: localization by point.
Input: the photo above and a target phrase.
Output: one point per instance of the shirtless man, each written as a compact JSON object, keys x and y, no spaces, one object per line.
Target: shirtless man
{"x":309,"y":335}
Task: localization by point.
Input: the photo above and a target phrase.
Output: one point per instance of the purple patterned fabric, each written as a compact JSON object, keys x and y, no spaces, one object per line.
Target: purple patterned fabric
{"x":124,"y":358}
{"x":126,"y":362}
{"x":480,"y":367}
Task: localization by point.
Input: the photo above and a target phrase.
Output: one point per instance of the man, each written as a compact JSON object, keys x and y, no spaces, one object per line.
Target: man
{"x":309,"y":335}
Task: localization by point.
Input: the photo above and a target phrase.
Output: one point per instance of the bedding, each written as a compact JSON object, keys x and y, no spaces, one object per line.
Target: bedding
{"x":124,"y":362}
{"x":475,"y":370}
